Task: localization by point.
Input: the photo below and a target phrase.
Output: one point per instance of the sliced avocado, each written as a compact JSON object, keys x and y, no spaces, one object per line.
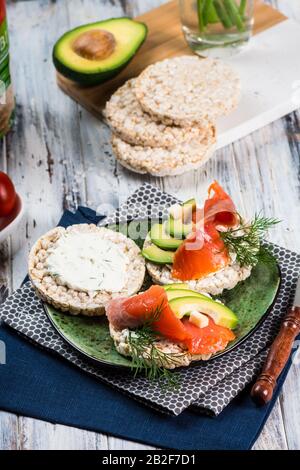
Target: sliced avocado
{"x":157,"y":255}
{"x":190,"y":203}
{"x":160,"y":238}
{"x":175,"y":211}
{"x":188,"y":207}
{"x":177,"y":229}
{"x":176,"y":286}
{"x":221,"y":314}
{"x":93,"y":53}
{"x":180,"y":293}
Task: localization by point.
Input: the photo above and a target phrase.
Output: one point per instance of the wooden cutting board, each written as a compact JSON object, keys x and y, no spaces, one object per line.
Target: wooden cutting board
{"x":164,"y":40}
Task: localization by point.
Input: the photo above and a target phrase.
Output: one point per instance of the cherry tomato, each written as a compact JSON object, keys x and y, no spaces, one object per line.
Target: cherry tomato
{"x":7,"y":194}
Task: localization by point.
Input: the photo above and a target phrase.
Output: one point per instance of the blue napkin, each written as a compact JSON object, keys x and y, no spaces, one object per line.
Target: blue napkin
{"x":34,"y":383}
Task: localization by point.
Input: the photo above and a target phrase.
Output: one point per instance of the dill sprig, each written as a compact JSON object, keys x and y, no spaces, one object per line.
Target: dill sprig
{"x":148,"y":358}
{"x":245,"y":240}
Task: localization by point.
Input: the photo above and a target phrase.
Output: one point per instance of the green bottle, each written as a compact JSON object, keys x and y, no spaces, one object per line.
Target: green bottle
{"x":7,"y":102}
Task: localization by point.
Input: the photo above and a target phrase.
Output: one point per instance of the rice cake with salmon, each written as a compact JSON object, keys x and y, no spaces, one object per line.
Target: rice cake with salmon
{"x":202,"y":260}
{"x":173,"y":342}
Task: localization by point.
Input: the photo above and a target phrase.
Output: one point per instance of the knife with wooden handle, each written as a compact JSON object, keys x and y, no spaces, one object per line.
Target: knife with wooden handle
{"x":262,"y":390}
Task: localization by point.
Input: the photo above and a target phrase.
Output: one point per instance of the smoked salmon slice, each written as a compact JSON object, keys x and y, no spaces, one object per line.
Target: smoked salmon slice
{"x":204,"y":252}
{"x":207,"y":340}
{"x":135,"y":311}
{"x":201,"y":254}
{"x":219,"y":207}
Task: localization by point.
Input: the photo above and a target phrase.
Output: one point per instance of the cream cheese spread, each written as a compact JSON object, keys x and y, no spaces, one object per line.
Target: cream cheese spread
{"x":87,"y":262}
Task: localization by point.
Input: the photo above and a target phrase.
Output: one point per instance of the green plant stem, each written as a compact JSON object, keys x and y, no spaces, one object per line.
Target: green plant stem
{"x":208,"y":4}
{"x":242,"y":8}
{"x":200,"y":4}
{"x":222,"y":14}
{"x":234,"y":15}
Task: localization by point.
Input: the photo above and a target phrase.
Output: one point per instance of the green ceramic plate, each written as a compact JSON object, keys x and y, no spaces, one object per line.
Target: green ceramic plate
{"x":251,"y":300}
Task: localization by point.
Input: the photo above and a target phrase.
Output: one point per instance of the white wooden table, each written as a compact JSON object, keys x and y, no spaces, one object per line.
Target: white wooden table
{"x":59,"y":156}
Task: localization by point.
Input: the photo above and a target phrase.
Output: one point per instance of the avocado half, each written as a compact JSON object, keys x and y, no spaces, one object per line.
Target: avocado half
{"x":96,"y":52}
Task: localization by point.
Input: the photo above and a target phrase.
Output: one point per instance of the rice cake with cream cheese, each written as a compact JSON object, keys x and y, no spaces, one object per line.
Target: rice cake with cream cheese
{"x":80,"y":268}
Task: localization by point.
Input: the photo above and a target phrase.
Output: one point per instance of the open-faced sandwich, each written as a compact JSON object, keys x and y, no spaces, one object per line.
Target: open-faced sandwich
{"x":79,"y":269}
{"x":170,"y":327}
{"x":210,"y":248}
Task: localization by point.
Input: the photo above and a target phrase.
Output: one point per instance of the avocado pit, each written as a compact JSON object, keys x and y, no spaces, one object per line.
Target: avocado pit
{"x":96,"y":44}
{"x":94,"y":53}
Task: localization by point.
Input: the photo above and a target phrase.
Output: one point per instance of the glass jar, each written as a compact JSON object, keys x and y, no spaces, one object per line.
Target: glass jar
{"x":216,"y":28}
{"x":7,"y":102}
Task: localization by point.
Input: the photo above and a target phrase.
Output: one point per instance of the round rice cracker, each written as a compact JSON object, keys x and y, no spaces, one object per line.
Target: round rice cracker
{"x":74,"y":301}
{"x":127,"y":119}
{"x":186,"y":90}
{"x":214,"y":284}
{"x":181,"y":357}
{"x":162,"y":161}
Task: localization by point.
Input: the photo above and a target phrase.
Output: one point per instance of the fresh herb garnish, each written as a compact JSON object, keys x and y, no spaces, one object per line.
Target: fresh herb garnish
{"x":148,"y":358}
{"x":245,"y":240}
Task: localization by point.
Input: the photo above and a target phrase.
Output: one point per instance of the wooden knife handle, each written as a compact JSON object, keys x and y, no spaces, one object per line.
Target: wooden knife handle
{"x":262,"y":390}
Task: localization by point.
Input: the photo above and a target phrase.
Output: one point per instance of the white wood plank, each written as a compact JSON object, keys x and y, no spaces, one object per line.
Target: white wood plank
{"x":291,"y":407}
{"x":39,"y":435}
{"x":260,"y":171}
{"x":9,"y":432}
{"x":273,"y":433}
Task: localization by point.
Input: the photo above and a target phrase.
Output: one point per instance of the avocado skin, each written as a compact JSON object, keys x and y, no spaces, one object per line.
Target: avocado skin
{"x":90,"y":79}
{"x":181,"y":293}
{"x":176,"y":286}
{"x":87,"y":79}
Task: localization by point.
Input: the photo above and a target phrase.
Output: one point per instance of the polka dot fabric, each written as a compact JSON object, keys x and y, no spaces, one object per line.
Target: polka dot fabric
{"x":207,"y":387}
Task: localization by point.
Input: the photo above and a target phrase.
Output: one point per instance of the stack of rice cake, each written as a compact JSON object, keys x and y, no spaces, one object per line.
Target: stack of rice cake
{"x":163,"y":121}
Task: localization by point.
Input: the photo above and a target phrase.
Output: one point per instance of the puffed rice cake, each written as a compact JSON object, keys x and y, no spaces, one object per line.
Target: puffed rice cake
{"x":187,"y":89}
{"x":162,"y":161}
{"x":74,"y":301}
{"x":214,"y":284}
{"x":181,"y":357}
{"x":127,"y":119}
